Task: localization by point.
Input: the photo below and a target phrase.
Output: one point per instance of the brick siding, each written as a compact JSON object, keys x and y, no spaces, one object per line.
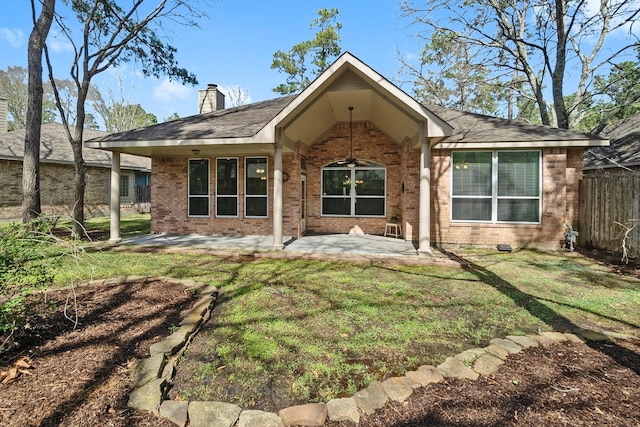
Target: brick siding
{"x":562,"y":170}
{"x":56,"y":187}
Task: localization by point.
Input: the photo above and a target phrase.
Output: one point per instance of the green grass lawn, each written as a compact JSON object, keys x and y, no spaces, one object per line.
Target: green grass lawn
{"x":302,"y":330}
{"x":130,"y":225}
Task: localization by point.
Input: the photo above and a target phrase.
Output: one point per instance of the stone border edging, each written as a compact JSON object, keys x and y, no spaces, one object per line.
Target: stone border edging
{"x":155,"y":373}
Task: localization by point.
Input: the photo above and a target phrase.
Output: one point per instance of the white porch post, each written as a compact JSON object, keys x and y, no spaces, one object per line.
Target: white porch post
{"x":277,"y":194}
{"x":114,"y":198}
{"x":424,"y":227}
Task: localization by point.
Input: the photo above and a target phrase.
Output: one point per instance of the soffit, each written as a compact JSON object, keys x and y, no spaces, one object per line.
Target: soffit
{"x":319,"y":113}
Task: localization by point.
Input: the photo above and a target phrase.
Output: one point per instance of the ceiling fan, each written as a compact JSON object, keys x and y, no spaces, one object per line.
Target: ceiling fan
{"x":351,"y":162}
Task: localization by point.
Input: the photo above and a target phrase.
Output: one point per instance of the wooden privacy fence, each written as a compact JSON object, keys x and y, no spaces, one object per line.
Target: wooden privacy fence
{"x":142,"y":198}
{"x":604,"y":201}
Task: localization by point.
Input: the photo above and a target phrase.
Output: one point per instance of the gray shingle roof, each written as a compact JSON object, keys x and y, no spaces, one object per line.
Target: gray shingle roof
{"x":237,"y":122}
{"x":55,"y":148}
{"x":245,"y":121}
{"x":472,"y":127}
{"x":624,"y":149}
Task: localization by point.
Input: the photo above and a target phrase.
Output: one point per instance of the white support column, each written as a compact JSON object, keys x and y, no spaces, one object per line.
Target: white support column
{"x":277,"y":193}
{"x":114,"y":198}
{"x":424,"y":227}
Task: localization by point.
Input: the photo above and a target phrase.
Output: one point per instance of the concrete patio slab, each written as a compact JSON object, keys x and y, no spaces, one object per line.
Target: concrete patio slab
{"x":334,"y":244}
{"x":359,"y":244}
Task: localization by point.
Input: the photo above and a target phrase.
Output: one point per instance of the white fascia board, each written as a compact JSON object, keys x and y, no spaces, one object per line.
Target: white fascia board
{"x":111,"y":145}
{"x":524,"y":144}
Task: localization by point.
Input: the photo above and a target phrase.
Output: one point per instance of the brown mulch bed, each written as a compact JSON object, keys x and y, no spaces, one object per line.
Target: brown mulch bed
{"x":82,"y":376}
{"x":562,"y":385}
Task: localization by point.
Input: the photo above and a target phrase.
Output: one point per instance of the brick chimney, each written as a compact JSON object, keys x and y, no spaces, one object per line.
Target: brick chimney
{"x":210,"y":99}
{"x":4,"y":123}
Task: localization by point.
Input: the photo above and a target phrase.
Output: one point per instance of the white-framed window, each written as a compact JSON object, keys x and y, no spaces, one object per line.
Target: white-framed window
{"x":227,"y":187}
{"x":124,"y":185}
{"x":354,"y":191}
{"x":256,"y":185}
{"x":496,"y":186}
{"x":198,"y":187}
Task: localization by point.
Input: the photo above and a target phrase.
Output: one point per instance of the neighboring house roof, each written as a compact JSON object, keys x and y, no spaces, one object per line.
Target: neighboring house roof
{"x":55,"y":148}
{"x":347,"y":82}
{"x":624,"y":150}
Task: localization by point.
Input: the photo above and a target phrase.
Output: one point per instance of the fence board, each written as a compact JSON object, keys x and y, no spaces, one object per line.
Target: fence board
{"x":605,"y":199}
{"x":142,"y":198}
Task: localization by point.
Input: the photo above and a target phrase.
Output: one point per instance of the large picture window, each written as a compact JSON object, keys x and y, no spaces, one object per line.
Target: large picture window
{"x":226,"y":187}
{"x":256,"y":186}
{"x":496,"y":186}
{"x":198,"y":187}
{"x":357,"y":191}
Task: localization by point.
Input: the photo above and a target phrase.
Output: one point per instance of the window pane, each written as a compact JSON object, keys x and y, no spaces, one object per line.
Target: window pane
{"x":336,"y":182}
{"x":227,"y":206}
{"x":471,"y":173}
{"x":124,"y":185}
{"x":370,"y":182}
{"x":198,"y":177}
{"x":336,"y":206}
{"x":519,"y":173}
{"x":227,"y":177}
{"x":256,"y":174}
{"x":256,"y":206}
{"x":471,"y":209}
{"x":199,"y":206}
{"x":370,"y":206}
{"x":520,"y":210}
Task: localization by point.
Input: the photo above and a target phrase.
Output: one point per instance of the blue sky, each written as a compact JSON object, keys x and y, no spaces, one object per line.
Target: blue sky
{"x":234,"y":47}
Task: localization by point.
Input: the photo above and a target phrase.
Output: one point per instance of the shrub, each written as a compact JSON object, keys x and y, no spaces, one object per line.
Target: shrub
{"x":24,"y":267}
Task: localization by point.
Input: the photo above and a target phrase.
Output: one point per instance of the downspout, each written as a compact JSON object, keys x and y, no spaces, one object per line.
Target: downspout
{"x":424,"y":227}
{"x":114,"y":198}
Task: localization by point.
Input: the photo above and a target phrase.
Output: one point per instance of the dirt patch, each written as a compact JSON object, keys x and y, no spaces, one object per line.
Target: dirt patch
{"x":82,"y":376}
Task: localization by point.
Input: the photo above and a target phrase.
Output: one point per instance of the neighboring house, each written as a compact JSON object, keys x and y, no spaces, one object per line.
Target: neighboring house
{"x":57,"y":173}
{"x":623,"y":155}
{"x":353,"y":149}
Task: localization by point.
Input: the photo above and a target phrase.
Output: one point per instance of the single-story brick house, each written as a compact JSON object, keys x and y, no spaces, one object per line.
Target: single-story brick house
{"x":57,"y":173}
{"x":352,"y":149}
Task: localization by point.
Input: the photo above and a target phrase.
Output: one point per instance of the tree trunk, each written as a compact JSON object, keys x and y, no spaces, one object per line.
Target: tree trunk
{"x":557,"y":78}
{"x":31,"y":206}
{"x":79,"y":187}
{"x":78,"y":159}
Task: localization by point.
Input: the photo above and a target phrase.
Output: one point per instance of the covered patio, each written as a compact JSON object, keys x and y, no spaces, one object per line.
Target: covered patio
{"x":326,"y":244}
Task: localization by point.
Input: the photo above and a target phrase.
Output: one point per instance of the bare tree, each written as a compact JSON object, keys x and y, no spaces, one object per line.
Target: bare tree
{"x":448,"y":75}
{"x":540,"y":40}
{"x":117,"y":111}
{"x":31,"y":207}
{"x":237,"y":96}
{"x":111,"y":35}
